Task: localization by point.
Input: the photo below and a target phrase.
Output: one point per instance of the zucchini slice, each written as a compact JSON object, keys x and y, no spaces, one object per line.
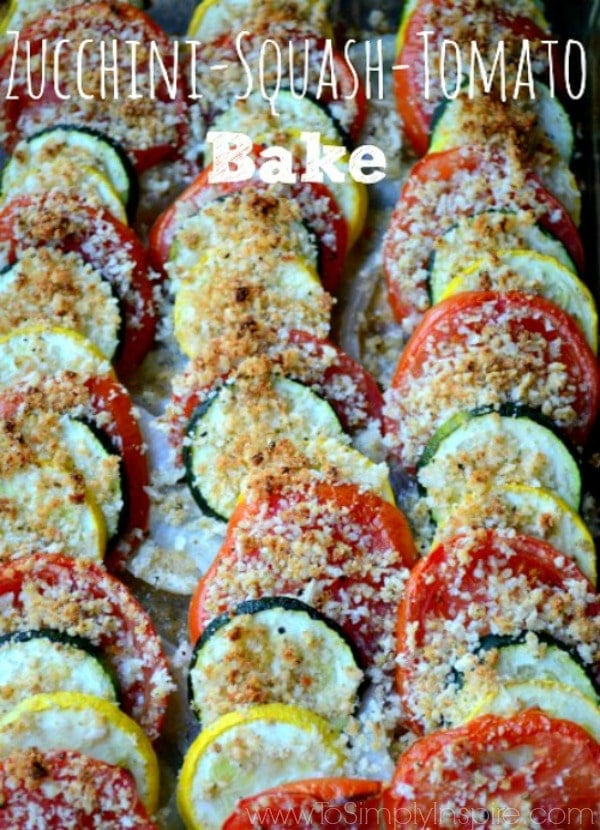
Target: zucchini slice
{"x":527,"y":658}
{"x":228,"y":295}
{"x":472,"y":450}
{"x":555,"y":699}
{"x":246,"y":752}
{"x":46,"y":660}
{"x":80,"y":180}
{"x":45,"y":509}
{"x":458,"y":121}
{"x":86,"y":724}
{"x":274,"y":650}
{"x":31,"y":354}
{"x":79,"y":146}
{"x":528,"y":510}
{"x":533,"y":273}
{"x":479,"y":236}
{"x":50,"y":286}
{"x":244,"y":424}
{"x":253,"y":117}
{"x":518,"y":660}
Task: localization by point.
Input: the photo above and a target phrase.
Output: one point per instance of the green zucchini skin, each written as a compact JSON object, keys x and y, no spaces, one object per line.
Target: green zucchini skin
{"x":126,"y":163}
{"x":195,"y":422}
{"x":442,"y":480}
{"x":255,"y":606}
{"x":300,"y":109}
{"x":506,"y":410}
{"x":188,"y":461}
{"x":500,"y":641}
{"x":108,"y":444}
{"x":54,"y":635}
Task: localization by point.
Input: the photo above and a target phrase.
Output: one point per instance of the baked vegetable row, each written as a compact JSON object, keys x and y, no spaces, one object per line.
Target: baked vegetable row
{"x":85,"y":682}
{"x":496,"y":643}
{"x":262,"y":572}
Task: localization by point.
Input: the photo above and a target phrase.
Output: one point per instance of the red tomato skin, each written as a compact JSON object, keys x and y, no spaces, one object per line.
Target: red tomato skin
{"x":576,"y":351}
{"x":129,"y":627}
{"x":444,"y":166}
{"x":124,"y":430}
{"x":386,"y":525}
{"x":410,"y":98}
{"x":563,"y":774}
{"x":138,"y":336}
{"x":106,"y":793}
{"x":55,"y":26}
{"x":426,"y":594}
{"x":368,"y":388}
{"x":201,"y":191}
{"x":314,"y":803}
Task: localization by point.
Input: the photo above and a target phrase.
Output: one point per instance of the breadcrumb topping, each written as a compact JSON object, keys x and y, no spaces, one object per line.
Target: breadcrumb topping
{"x":482,"y":357}
{"x":63,"y":789}
{"x":479,"y":586}
{"x":86,"y":602}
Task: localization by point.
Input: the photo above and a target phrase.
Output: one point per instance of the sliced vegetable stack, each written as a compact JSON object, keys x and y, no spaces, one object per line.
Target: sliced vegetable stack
{"x":276,"y":431}
{"x":84,"y":680}
{"x":151,"y":128}
{"x":316,"y":610}
{"x":492,"y":403}
{"x":251,"y":269}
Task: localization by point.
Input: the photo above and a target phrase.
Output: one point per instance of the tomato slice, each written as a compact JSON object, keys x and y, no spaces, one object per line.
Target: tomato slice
{"x":352,"y":392}
{"x":528,"y":770}
{"x":106,"y":244}
{"x":474,"y":350}
{"x":111,"y":410}
{"x":151,"y":129}
{"x":68,"y":790}
{"x":329,"y":544}
{"x":329,"y":80}
{"x":469,"y":587}
{"x":457,"y":22}
{"x":124,"y":432}
{"x":314,"y":803}
{"x":316,"y":202}
{"x":462,"y":181}
{"x":52,"y":591}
